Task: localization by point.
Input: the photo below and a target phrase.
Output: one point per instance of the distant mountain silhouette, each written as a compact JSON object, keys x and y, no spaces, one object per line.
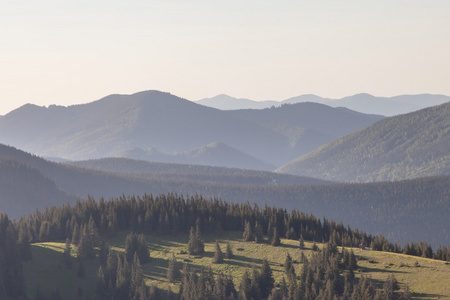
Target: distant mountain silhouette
{"x":364,"y":103}
{"x":225,"y":102}
{"x":214,"y":154}
{"x":118,"y":123}
{"x":406,"y":146}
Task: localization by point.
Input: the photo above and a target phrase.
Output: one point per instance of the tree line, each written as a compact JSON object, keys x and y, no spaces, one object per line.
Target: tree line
{"x":87,"y":221}
{"x":175,"y":214}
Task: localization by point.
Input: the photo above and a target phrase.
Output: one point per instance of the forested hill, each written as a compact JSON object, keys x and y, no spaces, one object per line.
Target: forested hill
{"x":200,"y":173}
{"x":412,"y":210}
{"x":406,"y":146}
{"x":118,"y":123}
{"x":112,"y":177}
{"x":24,"y":189}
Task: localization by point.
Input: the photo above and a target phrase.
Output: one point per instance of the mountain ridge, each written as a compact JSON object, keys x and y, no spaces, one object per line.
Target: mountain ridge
{"x":117,"y":123}
{"x":362,"y":102}
{"x":401,"y":147}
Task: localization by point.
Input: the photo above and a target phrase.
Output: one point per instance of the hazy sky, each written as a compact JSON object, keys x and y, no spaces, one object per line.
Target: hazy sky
{"x":67,"y":52}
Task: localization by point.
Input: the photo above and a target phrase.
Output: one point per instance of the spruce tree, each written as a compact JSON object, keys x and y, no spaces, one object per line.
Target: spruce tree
{"x":288,"y":264}
{"x":259,"y":237}
{"x":302,"y":242}
{"x":266,"y":280}
{"x":173,"y":271}
{"x":218,"y":255}
{"x":195,"y":244}
{"x":247,"y":236}
{"x":67,"y":257}
{"x":275,"y":238}
{"x":229,"y":252}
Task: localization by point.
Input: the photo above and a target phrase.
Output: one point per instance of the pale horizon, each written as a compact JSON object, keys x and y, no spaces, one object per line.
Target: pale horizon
{"x":74,"y":53}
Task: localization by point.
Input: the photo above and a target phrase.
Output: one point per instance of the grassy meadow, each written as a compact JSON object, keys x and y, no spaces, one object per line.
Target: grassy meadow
{"x":427,"y":278}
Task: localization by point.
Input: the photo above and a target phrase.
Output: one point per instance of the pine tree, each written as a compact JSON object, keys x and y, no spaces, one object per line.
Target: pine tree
{"x":195,"y":244}
{"x":67,"y":257}
{"x":302,"y":242}
{"x":352,"y":265}
{"x":229,"y":252}
{"x":247,"y":236}
{"x":275,"y":238}
{"x":288,"y":266}
{"x":266,"y":280}
{"x":245,"y":286}
{"x":218,"y":255}
{"x":259,"y":237}
{"x":76,"y":234}
{"x":173,"y":271}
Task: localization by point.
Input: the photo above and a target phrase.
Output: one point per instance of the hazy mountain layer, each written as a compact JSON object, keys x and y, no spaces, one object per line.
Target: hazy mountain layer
{"x":406,"y":146}
{"x":214,"y":154}
{"x":364,"y":103}
{"x":29,"y":182}
{"x":118,"y":123}
{"x":411,"y":210}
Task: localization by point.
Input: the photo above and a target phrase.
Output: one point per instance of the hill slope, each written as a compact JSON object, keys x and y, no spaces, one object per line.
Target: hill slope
{"x":24,"y":189}
{"x":406,"y":146}
{"x":118,"y":123}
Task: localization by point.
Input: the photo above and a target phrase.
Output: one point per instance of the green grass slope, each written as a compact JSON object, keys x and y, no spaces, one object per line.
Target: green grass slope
{"x":406,"y":146}
{"x":429,"y":280}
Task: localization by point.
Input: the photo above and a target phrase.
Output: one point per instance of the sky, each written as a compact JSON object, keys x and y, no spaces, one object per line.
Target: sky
{"x":71,"y":52}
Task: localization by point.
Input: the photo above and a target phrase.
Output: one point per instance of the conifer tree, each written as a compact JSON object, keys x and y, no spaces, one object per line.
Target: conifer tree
{"x":247,"y":236}
{"x":173,"y":271}
{"x":195,"y":244}
{"x":275,"y":238}
{"x":288,"y":266}
{"x":67,"y":257}
{"x":218,"y":255}
{"x":245,"y":286}
{"x":229,"y":252}
{"x":302,"y":242}
{"x":266,"y":280}
{"x":259,"y":237}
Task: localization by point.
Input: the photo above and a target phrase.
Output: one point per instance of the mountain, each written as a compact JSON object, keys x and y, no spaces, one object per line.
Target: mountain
{"x":29,"y":182}
{"x":364,"y":103}
{"x":225,"y":102}
{"x":411,"y":210}
{"x":406,"y":146}
{"x":115,"y":124}
{"x":214,"y":154}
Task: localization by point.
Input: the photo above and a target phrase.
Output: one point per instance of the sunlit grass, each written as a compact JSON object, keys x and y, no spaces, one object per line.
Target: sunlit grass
{"x":431,"y":279}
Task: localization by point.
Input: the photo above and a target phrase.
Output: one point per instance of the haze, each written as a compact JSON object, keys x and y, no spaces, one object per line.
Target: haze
{"x":54,"y":52}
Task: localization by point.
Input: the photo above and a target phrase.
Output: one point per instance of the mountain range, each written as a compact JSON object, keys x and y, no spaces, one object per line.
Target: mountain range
{"x":145,"y":122}
{"x":410,"y":210}
{"x":406,"y":146}
{"x":364,"y":103}
{"x":28,"y":182}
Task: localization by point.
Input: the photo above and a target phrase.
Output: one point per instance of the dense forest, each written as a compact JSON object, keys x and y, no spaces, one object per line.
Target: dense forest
{"x":84,"y":224}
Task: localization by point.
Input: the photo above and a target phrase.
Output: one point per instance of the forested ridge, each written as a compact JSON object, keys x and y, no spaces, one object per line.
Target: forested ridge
{"x":87,"y":222}
{"x":408,"y":210}
{"x":406,"y":146}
